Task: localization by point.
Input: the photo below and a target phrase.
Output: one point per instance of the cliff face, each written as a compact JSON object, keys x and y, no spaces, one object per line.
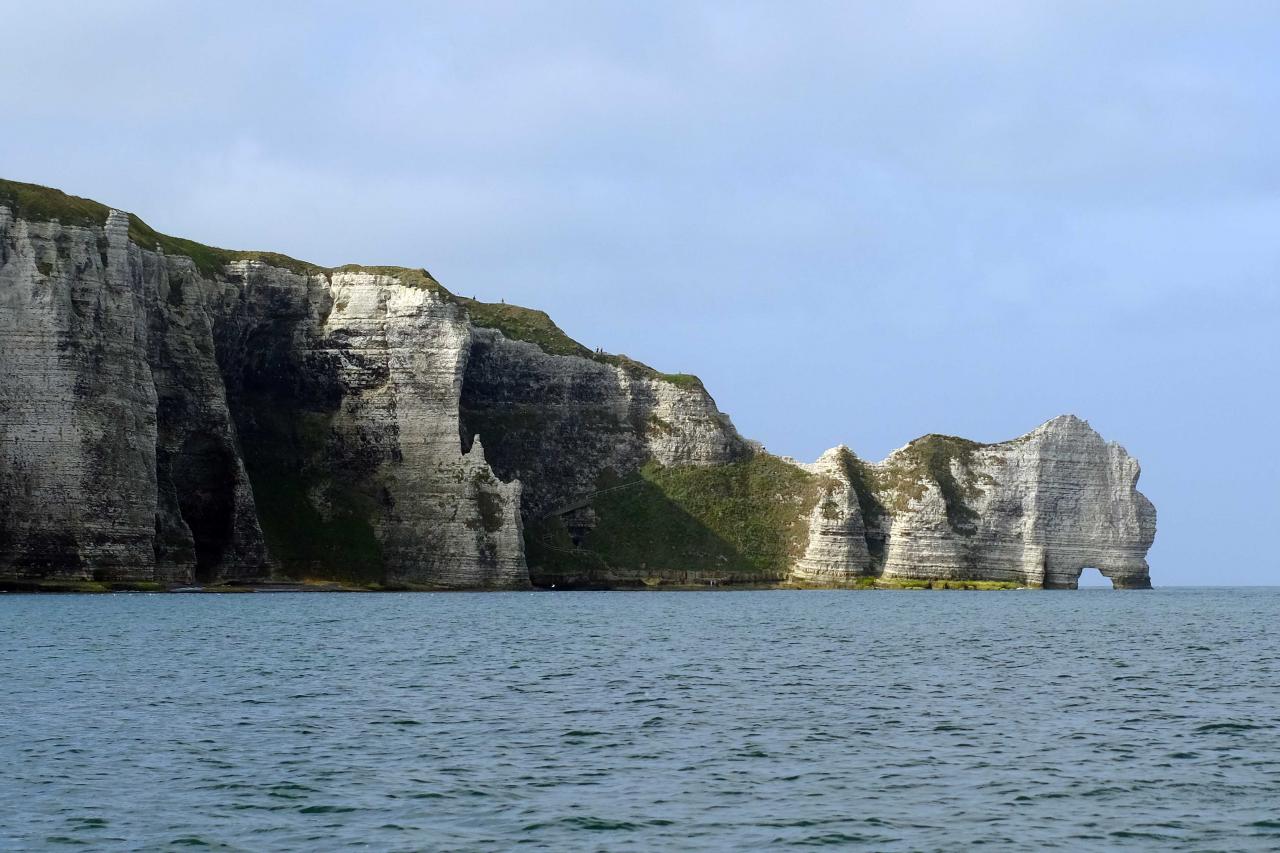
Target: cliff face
{"x":345,"y":391}
{"x":174,"y":412}
{"x":560,"y":422}
{"x":160,"y":423}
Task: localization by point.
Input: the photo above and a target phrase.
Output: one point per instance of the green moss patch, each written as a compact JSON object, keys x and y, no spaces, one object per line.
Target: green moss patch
{"x":34,"y":202}
{"x":492,"y":506}
{"x":523,"y":324}
{"x":536,"y":327}
{"x":54,"y":585}
{"x":407,"y":276}
{"x":136,"y":586}
{"x":866,"y":485}
{"x":912,"y":583}
{"x":682,"y":380}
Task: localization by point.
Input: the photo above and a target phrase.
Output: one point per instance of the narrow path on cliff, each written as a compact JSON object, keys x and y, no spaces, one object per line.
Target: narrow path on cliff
{"x":585,"y":501}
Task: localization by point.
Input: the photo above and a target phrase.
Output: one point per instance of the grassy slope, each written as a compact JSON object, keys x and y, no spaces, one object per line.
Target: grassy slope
{"x":746,"y":519}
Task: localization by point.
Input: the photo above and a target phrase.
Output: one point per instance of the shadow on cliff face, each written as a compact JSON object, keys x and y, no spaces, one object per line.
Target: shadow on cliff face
{"x":315,"y":520}
{"x":314,"y":504}
{"x":204,"y":475}
{"x":556,"y":424}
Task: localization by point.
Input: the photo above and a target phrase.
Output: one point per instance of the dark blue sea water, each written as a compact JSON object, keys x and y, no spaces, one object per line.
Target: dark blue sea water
{"x":641,"y":721}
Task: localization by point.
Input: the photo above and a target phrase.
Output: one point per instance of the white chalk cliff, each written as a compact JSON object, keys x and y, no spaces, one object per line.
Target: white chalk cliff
{"x":175,"y":413}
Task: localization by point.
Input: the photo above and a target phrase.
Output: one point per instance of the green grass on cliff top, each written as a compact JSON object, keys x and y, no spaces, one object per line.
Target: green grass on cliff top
{"x":32,"y":201}
{"x":536,"y":327}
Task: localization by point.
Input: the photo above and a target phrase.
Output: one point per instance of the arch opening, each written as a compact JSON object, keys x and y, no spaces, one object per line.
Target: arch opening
{"x":1092,"y":578}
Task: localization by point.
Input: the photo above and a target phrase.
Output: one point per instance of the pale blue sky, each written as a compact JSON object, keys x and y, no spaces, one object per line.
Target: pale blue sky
{"x":857,"y":222}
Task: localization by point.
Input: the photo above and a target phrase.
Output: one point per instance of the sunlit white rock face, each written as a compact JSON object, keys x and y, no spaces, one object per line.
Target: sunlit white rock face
{"x":397,"y":355}
{"x":1035,"y":510}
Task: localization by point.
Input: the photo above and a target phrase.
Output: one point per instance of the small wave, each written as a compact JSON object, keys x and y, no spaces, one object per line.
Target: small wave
{"x":591,"y":824}
{"x":833,"y":838}
{"x":1229,"y":727}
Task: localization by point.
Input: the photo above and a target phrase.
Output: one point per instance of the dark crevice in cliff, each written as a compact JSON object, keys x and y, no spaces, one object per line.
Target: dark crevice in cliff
{"x":204,"y":475}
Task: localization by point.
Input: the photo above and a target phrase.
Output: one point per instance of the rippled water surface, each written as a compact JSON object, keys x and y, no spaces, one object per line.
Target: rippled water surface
{"x":614,"y":721}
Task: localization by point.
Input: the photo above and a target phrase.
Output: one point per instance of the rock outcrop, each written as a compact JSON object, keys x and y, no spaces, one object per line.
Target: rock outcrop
{"x":837,"y":551}
{"x":1034,"y":511}
{"x":177,"y":413}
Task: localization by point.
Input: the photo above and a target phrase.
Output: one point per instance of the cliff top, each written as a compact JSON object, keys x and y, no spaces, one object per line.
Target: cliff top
{"x":36,"y":202}
{"x":32,"y":201}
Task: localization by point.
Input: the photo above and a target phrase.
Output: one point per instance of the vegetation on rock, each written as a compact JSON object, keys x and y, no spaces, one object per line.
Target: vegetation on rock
{"x":744,"y":518}
{"x":934,"y":458}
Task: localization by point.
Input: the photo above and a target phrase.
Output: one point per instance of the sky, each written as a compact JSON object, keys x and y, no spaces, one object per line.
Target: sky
{"x":858,"y":222}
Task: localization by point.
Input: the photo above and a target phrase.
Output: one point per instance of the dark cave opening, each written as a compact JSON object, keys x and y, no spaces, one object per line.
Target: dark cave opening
{"x":204,"y":476}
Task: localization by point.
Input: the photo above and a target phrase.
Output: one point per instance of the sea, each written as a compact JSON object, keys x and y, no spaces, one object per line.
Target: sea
{"x":719,"y":720}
